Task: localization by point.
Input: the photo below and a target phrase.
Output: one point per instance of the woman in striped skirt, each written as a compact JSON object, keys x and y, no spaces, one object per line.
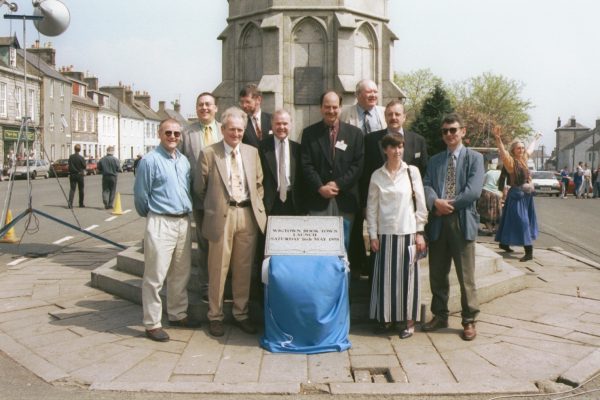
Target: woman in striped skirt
{"x":396,"y":217}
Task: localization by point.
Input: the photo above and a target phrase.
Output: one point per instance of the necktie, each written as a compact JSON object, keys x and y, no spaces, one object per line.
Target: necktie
{"x":257,"y":128}
{"x":207,"y":135}
{"x":451,"y":179}
{"x":332,"y":138}
{"x":367,"y":124}
{"x":283,"y":184}
{"x":236,"y":179}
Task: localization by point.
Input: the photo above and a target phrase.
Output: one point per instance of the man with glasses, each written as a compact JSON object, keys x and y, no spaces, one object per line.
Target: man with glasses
{"x":194,"y":138}
{"x":453,"y":183}
{"x":259,"y":122}
{"x":162,"y":195}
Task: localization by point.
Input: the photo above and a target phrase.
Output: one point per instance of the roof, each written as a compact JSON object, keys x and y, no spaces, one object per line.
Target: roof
{"x":568,"y":126}
{"x":9,"y":41}
{"x":35,"y":61}
{"x":146,"y":111}
{"x":169,"y":113}
{"x":84,"y":100}
{"x":123,"y":109}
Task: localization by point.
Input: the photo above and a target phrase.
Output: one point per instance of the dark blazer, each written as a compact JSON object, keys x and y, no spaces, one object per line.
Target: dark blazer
{"x":318,"y":167}
{"x":269,"y":166}
{"x":415,"y":153}
{"x":469,"y":183}
{"x":250,"y":134}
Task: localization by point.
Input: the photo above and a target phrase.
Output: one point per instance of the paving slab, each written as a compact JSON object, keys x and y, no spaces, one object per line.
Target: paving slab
{"x":200,"y":387}
{"x":583,"y":370}
{"x":111,"y":367}
{"x":329,"y":367}
{"x":201,"y":355}
{"x":241,"y":359}
{"x":157,"y":367}
{"x":284,"y":368}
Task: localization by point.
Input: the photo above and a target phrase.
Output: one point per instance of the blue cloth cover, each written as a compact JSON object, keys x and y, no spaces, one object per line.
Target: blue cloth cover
{"x":306,"y":305}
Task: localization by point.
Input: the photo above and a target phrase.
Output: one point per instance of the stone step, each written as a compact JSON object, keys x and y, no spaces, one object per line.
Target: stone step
{"x":495,"y":278}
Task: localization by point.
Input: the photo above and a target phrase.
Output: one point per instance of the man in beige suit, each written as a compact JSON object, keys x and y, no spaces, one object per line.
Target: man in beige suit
{"x":194,"y":138}
{"x":229,"y":185}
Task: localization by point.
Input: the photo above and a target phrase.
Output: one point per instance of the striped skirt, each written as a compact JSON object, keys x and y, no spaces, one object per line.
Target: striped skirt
{"x":395,"y":292}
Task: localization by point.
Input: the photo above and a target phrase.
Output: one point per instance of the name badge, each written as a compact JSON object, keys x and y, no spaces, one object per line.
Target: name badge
{"x":341,"y":145}
{"x":418,"y":155}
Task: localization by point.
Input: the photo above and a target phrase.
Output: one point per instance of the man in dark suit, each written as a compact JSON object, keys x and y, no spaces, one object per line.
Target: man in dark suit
{"x":279,"y":157}
{"x":332,"y":161}
{"x":259,"y":122}
{"x":453,"y":183}
{"x":415,"y":146}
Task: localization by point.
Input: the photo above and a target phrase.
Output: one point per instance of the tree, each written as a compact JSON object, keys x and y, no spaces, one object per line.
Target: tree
{"x":488,"y":100}
{"x":428,"y":121}
{"x":416,"y":86}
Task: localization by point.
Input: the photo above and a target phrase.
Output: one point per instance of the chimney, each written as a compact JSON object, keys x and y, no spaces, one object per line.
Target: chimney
{"x":117,"y":91}
{"x":46,"y":53}
{"x":92,"y":82}
{"x":177,"y":106}
{"x":598,"y":124}
{"x":161,"y":106}
{"x":129,"y":96}
{"x":558,"y":123}
{"x":572,"y":121}
{"x":143,"y":98}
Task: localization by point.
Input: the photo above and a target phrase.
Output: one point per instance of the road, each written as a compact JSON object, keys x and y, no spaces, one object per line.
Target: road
{"x":40,"y":236}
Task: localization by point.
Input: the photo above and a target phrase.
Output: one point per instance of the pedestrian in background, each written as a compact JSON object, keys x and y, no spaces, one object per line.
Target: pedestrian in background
{"x":564,"y":179}
{"x":396,"y":217}
{"x":76,"y":174}
{"x":596,"y":180}
{"x":136,"y":162}
{"x":518,"y":225}
{"x":587,"y":181}
{"x":489,"y":204}
{"x":578,"y":179}
{"x":162,"y":195}
{"x":109,"y":168}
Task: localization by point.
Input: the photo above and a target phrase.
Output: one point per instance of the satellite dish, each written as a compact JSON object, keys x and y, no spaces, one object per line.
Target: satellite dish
{"x":56,"y":17}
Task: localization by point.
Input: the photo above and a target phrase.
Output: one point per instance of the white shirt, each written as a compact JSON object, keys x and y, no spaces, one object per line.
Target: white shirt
{"x":390,"y":209}
{"x":228,"y":151}
{"x":286,"y":155}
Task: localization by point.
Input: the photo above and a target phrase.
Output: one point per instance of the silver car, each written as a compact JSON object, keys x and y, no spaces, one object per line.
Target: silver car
{"x":36,"y":168}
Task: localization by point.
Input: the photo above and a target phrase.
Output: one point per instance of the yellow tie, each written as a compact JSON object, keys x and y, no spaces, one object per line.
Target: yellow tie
{"x":236,"y":180}
{"x":207,"y":135}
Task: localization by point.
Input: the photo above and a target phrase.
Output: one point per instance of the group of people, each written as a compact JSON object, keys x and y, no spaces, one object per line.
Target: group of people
{"x":587,"y":183}
{"x":357,"y":163}
{"x":108,"y":166}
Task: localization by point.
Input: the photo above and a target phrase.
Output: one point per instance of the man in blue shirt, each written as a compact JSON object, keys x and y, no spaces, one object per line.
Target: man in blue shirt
{"x":162,"y":195}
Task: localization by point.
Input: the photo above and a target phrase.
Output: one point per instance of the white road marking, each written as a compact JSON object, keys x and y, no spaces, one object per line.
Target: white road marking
{"x":110,"y":218}
{"x":126,"y":211}
{"x":59,"y":241}
{"x":89,"y":228}
{"x":17,"y":261}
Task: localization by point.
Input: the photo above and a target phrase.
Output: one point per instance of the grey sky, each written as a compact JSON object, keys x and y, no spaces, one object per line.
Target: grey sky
{"x":170,"y":48}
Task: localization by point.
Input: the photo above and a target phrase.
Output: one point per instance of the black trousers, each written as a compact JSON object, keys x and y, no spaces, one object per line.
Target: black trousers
{"x":76,"y":181}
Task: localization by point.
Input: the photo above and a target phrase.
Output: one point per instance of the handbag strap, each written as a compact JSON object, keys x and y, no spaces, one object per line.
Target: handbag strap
{"x":414,"y":199}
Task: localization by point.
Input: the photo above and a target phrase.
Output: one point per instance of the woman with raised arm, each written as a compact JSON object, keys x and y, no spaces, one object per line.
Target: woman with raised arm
{"x":518,"y":224}
{"x":396,"y":217}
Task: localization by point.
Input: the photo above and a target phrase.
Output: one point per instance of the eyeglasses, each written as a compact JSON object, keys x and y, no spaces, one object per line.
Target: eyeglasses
{"x":173,"y":133}
{"x":453,"y":131}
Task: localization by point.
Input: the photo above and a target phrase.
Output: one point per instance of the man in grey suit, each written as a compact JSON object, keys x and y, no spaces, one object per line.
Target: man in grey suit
{"x":194,"y":138}
{"x":365,"y":114}
{"x":229,"y":185}
{"x":453,"y":183}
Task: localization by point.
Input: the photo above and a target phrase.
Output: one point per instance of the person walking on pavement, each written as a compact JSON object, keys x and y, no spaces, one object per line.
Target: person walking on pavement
{"x":109,"y":168}
{"x":453,"y":183}
{"x":596,"y":180}
{"x":76,"y":174}
{"x":162,"y":194}
{"x":518,"y":224}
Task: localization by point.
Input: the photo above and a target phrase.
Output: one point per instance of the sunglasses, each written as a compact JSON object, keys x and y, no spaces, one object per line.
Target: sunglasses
{"x":173,"y":133}
{"x":453,"y":131}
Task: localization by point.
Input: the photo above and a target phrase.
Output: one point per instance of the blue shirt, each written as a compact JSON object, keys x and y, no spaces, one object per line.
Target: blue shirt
{"x":162,"y":184}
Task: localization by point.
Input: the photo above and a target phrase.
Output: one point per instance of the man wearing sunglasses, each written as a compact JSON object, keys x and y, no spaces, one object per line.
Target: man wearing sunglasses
{"x":162,"y":194}
{"x":453,"y":183}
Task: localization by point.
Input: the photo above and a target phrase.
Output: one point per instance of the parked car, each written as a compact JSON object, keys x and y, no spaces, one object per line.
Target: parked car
{"x":91,"y":166}
{"x":60,"y":168}
{"x":545,"y":182}
{"x":127,"y":165}
{"x":36,"y":168}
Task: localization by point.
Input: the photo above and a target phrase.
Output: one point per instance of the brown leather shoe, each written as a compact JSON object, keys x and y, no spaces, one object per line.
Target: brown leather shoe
{"x":185,"y":323}
{"x":469,"y":331}
{"x":435,"y":324}
{"x":157,"y":334}
{"x":246,"y":326}
{"x":216,"y":328}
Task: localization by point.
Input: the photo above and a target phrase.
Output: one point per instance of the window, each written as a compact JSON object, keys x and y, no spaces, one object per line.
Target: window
{"x":3,"y":107}
{"x":90,"y":121}
{"x":18,"y":103}
{"x":80,"y":121}
{"x":51,"y":122}
{"x":51,"y":89}
{"x":31,"y":104}
{"x":62,"y":90}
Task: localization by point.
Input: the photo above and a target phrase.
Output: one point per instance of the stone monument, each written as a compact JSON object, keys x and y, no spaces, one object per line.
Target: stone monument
{"x":295,"y":50}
